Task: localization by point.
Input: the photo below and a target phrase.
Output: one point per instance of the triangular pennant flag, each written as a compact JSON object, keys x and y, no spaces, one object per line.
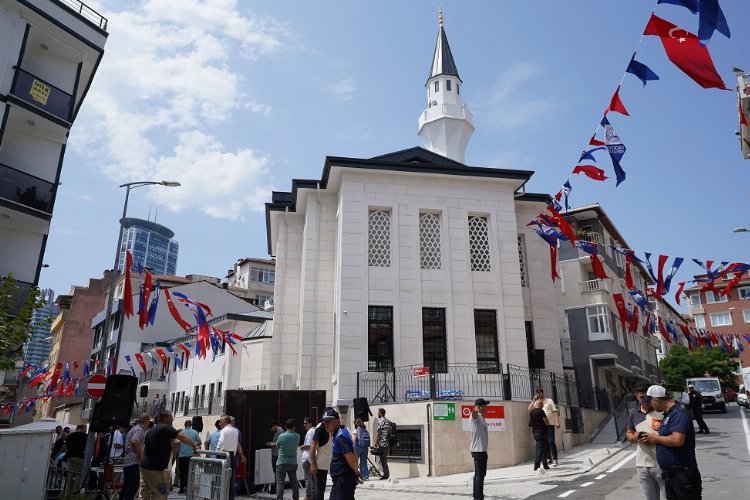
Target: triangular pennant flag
{"x":641,"y":71}
{"x":616,"y":105}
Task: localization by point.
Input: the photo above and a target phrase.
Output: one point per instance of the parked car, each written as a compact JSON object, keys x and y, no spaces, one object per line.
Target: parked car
{"x":730,"y":395}
{"x":742,"y":400}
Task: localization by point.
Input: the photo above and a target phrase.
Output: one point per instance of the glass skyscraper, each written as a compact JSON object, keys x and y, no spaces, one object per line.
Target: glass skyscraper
{"x":151,"y":245}
{"x":38,"y":346}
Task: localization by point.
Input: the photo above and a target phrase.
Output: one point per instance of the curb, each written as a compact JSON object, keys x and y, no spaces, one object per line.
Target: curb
{"x":387,"y":485}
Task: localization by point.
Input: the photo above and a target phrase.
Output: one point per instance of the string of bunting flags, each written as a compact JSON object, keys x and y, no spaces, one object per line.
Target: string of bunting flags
{"x":63,"y":376}
{"x":689,"y":53}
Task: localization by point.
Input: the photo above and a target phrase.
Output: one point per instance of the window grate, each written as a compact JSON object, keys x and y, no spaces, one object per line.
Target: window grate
{"x":379,"y":245}
{"x":434,"y":339}
{"x":479,"y":242}
{"x":522,"y":260}
{"x":485,"y":333}
{"x":429,"y":241}
{"x":379,"y":338}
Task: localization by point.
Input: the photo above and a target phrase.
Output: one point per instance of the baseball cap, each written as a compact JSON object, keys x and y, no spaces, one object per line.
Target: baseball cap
{"x":330,"y":414}
{"x":656,"y":391}
{"x":481,"y":402}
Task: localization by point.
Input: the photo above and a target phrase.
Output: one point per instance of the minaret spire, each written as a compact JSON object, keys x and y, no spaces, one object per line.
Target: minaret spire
{"x":446,"y":125}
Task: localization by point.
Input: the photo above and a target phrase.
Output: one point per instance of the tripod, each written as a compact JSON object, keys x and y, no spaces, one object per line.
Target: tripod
{"x":373,"y":469}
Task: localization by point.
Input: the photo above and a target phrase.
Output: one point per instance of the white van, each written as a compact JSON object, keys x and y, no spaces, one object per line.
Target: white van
{"x":710,"y":389}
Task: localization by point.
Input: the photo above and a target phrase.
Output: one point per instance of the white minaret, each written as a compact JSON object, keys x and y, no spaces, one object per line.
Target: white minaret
{"x":446,"y":125}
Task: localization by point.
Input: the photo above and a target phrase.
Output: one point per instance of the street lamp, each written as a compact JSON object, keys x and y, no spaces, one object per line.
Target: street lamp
{"x":111,"y":297}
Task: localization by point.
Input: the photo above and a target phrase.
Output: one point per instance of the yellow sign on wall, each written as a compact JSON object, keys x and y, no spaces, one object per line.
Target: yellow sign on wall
{"x":39,"y":92}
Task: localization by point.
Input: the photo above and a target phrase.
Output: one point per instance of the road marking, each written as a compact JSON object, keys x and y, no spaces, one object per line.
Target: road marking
{"x":621,"y":463}
{"x":567,"y":493}
{"x":600,"y":476}
{"x":747,"y":430}
{"x":587,"y":484}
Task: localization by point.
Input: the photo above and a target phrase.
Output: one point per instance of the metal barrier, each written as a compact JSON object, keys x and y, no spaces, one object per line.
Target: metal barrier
{"x":210,"y":476}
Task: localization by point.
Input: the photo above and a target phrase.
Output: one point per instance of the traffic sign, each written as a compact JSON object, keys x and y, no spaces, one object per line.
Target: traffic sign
{"x":96,"y":385}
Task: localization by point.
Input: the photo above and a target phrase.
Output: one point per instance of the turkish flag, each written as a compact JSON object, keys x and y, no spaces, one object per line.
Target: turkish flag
{"x":128,"y":293}
{"x":139,"y":359}
{"x":591,"y":172}
{"x":598,"y":268}
{"x":621,"y":310}
{"x":686,"y":52}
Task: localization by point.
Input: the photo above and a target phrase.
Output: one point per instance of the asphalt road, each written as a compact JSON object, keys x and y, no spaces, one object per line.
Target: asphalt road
{"x":723,"y":459}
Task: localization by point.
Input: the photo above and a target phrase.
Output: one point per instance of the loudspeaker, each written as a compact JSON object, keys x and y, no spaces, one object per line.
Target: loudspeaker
{"x":144,"y":391}
{"x":361,"y":409}
{"x":197,"y":423}
{"x":116,"y":406}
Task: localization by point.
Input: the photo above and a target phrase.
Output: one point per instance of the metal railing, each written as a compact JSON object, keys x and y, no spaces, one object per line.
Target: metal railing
{"x":85,"y":12}
{"x":591,"y":286}
{"x":466,"y":382}
{"x":590,"y":236}
{"x":42,"y":94}
{"x":26,"y":189}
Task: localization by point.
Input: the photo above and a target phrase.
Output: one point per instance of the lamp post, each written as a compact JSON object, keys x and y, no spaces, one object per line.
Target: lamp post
{"x":111,"y":296}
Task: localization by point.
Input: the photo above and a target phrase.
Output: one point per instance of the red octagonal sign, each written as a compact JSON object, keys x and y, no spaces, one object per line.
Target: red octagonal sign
{"x":96,"y":385}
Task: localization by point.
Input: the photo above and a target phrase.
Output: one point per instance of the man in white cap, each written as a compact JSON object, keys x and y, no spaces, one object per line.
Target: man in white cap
{"x":675,"y":447}
{"x":478,"y":448}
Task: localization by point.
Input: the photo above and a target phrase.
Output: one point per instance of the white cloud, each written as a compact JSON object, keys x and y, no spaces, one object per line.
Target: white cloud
{"x":343,"y":89}
{"x":508,"y":103}
{"x":164,"y":88}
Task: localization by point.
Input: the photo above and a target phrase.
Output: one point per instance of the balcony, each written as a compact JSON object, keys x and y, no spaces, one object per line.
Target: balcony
{"x":590,"y":236}
{"x":86,"y":12}
{"x":26,"y":189}
{"x":593,"y":286}
{"x":42,"y":95}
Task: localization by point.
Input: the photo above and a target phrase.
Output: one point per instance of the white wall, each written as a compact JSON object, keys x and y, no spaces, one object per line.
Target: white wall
{"x":324,"y":284}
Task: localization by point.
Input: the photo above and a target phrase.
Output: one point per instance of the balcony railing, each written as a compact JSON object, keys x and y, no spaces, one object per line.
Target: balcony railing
{"x":26,"y":189}
{"x":86,"y":12}
{"x":591,"y":237}
{"x":41,"y":94}
{"x":592,"y":286}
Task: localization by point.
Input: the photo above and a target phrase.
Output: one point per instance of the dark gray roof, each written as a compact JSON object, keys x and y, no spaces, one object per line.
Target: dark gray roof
{"x":442,"y":59}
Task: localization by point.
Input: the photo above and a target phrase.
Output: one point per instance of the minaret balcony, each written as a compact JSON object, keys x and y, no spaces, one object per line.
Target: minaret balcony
{"x":42,"y":95}
{"x":25,"y":189}
{"x":459,"y":112}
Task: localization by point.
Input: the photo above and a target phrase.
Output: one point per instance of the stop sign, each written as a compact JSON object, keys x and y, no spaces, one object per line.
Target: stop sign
{"x":96,"y":385}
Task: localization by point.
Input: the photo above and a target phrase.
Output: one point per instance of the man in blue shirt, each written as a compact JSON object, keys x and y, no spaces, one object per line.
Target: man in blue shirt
{"x":185,"y":453}
{"x":213,"y":439}
{"x":675,"y":447}
{"x":344,"y":464}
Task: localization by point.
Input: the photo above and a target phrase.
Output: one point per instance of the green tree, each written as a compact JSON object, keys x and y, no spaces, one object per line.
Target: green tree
{"x":680,"y":364}
{"x":15,"y":326}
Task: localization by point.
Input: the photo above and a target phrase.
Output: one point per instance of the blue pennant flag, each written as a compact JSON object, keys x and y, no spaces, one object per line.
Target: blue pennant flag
{"x":688,"y":4}
{"x":710,"y":19}
{"x":130,"y":364}
{"x":676,"y":263}
{"x":177,"y":359}
{"x":649,"y":267}
{"x":86,"y":368}
{"x":567,"y":188}
{"x":551,"y":241}
{"x":616,"y":149}
{"x":639,"y":298}
{"x":154,"y":304}
{"x":641,"y":71}
{"x":589,"y":155}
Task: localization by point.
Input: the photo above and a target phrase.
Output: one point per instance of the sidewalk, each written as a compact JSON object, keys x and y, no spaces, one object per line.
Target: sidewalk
{"x":579,"y":460}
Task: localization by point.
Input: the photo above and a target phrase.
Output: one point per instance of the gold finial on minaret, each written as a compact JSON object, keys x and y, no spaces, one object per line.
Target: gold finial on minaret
{"x":440,"y":15}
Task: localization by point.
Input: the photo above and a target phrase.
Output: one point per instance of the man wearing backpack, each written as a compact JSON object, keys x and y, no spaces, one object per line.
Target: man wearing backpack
{"x":361,"y":446}
{"x":383,"y":439}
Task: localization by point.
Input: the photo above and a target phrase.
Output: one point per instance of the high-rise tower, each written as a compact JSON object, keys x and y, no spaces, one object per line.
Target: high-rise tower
{"x":446,"y":125}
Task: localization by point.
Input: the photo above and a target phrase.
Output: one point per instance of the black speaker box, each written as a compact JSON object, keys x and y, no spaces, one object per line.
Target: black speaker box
{"x":197,"y":423}
{"x":116,"y":406}
{"x":361,"y":409}
{"x":143,"y":391}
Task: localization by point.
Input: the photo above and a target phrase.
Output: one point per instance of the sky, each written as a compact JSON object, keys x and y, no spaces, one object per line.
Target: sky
{"x":234,"y":99}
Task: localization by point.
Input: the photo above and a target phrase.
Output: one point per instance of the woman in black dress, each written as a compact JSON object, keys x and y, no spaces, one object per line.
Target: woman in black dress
{"x":539,"y":423}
